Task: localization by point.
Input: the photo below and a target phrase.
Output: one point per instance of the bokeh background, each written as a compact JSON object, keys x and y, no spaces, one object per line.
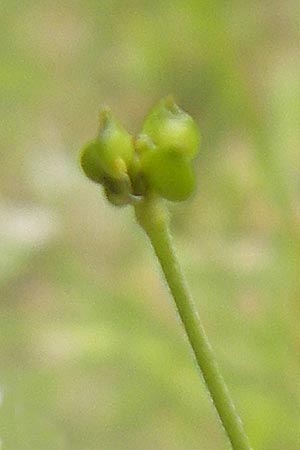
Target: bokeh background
{"x":92,"y":356}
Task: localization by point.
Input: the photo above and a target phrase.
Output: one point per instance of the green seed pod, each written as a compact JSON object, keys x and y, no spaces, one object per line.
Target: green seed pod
{"x":169,"y":174}
{"x":89,"y":160}
{"x":171,"y":128}
{"x":110,"y":153}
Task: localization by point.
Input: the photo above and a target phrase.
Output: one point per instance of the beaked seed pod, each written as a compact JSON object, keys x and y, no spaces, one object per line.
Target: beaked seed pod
{"x":110,"y":153}
{"x":171,"y":128}
{"x":169,"y":174}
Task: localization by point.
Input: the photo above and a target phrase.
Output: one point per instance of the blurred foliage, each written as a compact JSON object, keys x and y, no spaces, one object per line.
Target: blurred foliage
{"x":92,"y":356}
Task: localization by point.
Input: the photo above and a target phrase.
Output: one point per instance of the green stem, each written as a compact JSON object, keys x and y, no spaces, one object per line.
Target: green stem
{"x":153,"y":218}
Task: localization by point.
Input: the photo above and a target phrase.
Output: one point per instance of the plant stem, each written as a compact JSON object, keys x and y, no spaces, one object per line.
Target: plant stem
{"x":153,"y":218}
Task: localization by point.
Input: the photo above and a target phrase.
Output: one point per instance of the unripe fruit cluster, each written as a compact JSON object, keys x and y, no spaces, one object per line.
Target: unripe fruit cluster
{"x":158,"y":161}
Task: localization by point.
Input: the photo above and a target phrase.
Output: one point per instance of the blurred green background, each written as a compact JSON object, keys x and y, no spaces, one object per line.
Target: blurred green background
{"x":92,"y":355}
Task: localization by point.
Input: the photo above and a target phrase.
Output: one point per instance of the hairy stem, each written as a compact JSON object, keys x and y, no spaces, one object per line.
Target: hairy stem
{"x":153,"y":218}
